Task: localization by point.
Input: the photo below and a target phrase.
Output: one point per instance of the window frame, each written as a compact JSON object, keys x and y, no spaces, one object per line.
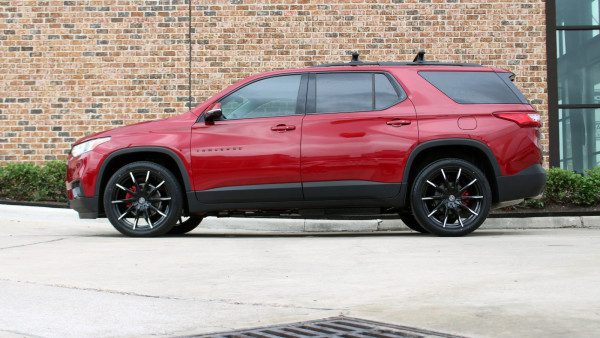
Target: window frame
{"x":552,"y":75}
{"x":300,"y":98}
{"x":311,"y":102}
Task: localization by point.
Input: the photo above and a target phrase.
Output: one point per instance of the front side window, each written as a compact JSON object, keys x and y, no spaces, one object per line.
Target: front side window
{"x":354,"y":92}
{"x":275,"y":96}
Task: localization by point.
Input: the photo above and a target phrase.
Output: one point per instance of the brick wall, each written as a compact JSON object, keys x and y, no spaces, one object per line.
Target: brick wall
{"x":70,"y":68}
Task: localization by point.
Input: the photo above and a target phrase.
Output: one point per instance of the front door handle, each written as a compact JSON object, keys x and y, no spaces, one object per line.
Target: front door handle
{"x":282,"y":128}
{"x":398,"y":123}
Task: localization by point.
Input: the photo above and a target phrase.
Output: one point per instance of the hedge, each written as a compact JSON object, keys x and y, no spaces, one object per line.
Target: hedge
{"x":30,"y":182}
{"x":566,"y":187}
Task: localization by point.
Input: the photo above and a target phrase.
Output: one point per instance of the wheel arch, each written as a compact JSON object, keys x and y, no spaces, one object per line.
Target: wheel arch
{"x":470,"y":150}
{"x":159,"y":155}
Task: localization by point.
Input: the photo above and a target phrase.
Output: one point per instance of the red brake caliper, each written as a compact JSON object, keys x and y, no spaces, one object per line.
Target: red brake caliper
{"x":466,"y":202}
{"x":128,"y":195}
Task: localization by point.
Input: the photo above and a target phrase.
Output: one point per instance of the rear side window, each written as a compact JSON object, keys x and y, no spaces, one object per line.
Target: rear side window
{"x":475,"y":87}
{"x":354,"y":92}
{"x":344,"y":92}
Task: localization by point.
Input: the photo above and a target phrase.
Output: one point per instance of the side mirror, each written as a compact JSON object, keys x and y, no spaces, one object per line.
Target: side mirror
{"x":214,"y":114}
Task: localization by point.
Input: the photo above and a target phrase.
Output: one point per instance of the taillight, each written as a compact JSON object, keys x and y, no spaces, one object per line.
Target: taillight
{"x":521,"y":118}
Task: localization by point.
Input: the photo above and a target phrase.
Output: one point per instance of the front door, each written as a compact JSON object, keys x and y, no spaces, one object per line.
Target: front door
{"x":356,"y":136}
{"x":252,"y":154}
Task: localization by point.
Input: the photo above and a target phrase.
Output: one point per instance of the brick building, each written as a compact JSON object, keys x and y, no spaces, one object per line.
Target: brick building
{"x":70,"y":68}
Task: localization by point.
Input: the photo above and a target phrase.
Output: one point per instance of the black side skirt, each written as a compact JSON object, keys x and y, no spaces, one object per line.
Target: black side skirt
{"x":288,"y":196}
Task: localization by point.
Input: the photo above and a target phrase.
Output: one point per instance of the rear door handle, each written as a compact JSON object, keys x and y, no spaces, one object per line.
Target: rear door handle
{"x":282,"y":128}
{"x":398,"y":123}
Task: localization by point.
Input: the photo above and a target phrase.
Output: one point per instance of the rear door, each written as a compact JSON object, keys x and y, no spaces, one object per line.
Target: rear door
{"x":356,"y":136}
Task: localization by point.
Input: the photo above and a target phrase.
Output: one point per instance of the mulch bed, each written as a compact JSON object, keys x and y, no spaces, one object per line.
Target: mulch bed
{"x":549,"y":210}
{"x":48,"y":204}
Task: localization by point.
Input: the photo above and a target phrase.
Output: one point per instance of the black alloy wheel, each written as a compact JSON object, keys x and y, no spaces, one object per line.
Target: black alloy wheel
{"x":451,"y":197}
{"x":143,"y":199}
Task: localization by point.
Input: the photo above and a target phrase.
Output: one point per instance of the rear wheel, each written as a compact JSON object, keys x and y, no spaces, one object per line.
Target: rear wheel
{"x":185,"y":225}
{"x":451,"y":197}
{"x":143,"y":199}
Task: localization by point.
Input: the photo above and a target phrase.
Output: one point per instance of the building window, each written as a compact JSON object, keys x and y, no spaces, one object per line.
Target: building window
{"x":576,"y":106}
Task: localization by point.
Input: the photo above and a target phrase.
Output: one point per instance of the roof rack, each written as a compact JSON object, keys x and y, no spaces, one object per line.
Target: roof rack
{"x":419,"y":60}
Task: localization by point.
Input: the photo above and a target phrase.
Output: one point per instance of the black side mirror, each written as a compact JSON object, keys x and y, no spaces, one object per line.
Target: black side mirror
{"x":213,"y":115}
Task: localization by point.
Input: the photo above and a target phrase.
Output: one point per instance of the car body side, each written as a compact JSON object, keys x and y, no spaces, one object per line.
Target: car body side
{"x":509,"y":155}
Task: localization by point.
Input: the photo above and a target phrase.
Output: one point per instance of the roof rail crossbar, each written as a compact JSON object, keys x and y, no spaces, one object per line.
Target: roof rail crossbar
{"x":419,"y":60}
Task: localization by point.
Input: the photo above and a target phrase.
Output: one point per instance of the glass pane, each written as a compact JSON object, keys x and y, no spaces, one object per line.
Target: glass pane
{"x":385,"y":94}
{"x":577,"y":12}
{"x":578,"y":66}
{"x":472,"y":87}
{"x":274,"y":96}
{"x":579,"y":138}
{"x":344,"y":92}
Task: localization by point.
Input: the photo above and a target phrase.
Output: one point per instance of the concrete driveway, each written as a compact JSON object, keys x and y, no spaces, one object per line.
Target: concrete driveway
{"x":61,"y":276}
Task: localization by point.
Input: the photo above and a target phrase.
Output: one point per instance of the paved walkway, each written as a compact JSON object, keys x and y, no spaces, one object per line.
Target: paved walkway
{"x":60,"y":276}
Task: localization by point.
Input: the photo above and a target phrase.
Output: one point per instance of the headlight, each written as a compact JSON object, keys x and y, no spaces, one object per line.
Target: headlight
{"x":86,"y":146}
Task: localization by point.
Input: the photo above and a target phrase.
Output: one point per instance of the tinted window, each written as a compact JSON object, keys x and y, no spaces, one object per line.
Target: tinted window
{"x":506,"y":77}
{"x":353,"y":92}
{"x":344,"y":92}
{"x":275,"y":96}
{"x":578,"y":66}
{"x":473,"y":87}
{"x":385,"y":94}
{"x":577,"y":12}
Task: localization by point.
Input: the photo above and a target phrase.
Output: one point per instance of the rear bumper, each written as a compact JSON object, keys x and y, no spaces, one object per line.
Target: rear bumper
{"x":87,"y":207}
{"x":527,"y":183}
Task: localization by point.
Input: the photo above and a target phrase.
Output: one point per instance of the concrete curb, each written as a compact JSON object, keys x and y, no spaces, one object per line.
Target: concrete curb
{"x":310,"y":225}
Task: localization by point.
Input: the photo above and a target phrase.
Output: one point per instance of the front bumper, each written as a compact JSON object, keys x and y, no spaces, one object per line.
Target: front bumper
{"x":527,"y":183}
{"x":87,"y":207}
{"x":81,"y":184}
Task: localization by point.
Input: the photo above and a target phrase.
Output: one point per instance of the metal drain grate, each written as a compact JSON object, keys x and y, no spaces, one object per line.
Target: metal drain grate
{"x":345,"y":327}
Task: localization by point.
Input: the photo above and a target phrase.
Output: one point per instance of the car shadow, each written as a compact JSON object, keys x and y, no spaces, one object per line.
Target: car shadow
{"x":259,"y":234}
{"x":485,"y":233}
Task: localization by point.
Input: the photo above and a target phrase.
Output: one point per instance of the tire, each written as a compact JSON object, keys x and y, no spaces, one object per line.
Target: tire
{"x":143,"y":192}
{"x":411,"y":222}
{"x":183,"y":227}
{"x":451,"y":197}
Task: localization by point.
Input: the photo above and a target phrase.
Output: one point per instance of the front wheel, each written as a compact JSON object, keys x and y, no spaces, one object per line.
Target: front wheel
{"x":451,"y":197}
{"x":143,"y":199}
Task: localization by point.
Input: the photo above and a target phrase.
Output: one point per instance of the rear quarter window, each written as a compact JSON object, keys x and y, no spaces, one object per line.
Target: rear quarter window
{"x":475,"y":87}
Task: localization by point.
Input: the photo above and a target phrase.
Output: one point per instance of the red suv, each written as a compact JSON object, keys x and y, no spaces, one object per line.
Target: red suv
{"x":437,"y":144}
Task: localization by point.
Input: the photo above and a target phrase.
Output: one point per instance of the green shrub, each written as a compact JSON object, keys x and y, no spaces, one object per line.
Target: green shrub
{"x":533,"y":204}
{"x":567,"y":187}
{"x":561,"y":186}
{"x":589,"y":193}
{"x":30,"y":182}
